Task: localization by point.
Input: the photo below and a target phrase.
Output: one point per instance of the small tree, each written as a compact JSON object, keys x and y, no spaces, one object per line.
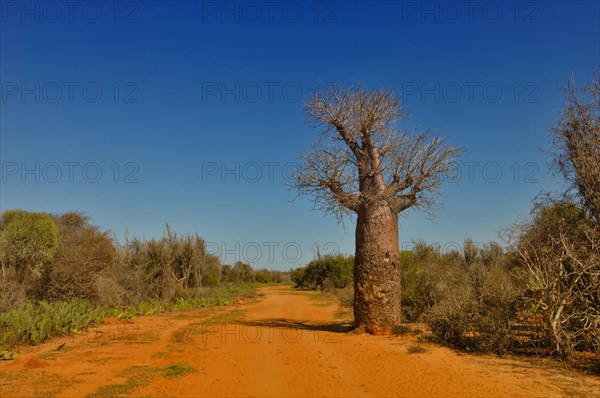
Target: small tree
{"x":28,"y":241}
{"x":84,"y":255}
{"x":363,"y":164}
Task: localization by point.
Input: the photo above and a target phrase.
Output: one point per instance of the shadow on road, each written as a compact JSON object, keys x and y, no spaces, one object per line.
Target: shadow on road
{"x":289,"y":324}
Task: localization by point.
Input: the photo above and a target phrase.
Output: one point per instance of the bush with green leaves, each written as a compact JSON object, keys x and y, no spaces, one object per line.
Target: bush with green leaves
{"x":34,"y":323}
{"x":325,"y":272}
{"x":28,"y":242}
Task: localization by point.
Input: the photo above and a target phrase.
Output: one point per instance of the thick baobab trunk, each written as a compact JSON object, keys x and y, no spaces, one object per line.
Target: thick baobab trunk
{"x":376,"y":270}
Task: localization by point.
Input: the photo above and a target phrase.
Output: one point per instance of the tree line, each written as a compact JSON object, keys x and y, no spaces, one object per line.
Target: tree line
{"x":62,"y":257}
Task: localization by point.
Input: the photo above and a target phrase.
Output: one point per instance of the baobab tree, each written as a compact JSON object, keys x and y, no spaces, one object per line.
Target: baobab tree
{"x":365,"y":164}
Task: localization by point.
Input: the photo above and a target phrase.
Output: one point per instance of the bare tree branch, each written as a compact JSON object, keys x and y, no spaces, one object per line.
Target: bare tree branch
{"x":363,"y":157}
{"x":576,"y":141}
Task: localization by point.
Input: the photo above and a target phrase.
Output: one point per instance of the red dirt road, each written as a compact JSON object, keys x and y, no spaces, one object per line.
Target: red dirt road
{"x":285,"y":344}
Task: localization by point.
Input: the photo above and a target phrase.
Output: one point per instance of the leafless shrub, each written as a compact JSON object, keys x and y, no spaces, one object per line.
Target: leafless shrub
{"x":576,"y":143}
{"x":467,"y":303}
{"x":84,"y":254}
{"x":110,"y":292}
{"x":12,"y":293}
{"x":451,"y":317}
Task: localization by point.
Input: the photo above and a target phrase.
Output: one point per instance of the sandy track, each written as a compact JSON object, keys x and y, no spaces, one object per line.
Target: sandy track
{"x":283,"y":345}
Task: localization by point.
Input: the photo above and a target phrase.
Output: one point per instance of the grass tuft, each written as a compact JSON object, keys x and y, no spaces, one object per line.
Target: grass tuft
{"x":416,"y":349}
{"x":400,"y":330}
{"x":178,"y":369}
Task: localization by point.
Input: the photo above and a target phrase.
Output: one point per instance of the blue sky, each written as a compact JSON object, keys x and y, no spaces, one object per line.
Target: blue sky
{"x":138,"y":113}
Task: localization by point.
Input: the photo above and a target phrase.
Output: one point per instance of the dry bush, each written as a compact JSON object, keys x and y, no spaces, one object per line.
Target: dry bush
{"x":451,"y":317}
{"x":346,"y":297}
{"x":566,"y":275}
{"x":560,"y":254}
{"x":12,"y":293}
{"x":110,"y":292}
{"x":499,"y":296}
{"x":146,"y":270}
{"x":191,"y":264}
{"x":426,"y":275}
{"x":466,"y":302}
{"x":84,"y":254}
{"x":165,"y":268}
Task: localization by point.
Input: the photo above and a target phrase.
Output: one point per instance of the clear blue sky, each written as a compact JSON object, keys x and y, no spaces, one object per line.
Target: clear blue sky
{"x":180,"y":105}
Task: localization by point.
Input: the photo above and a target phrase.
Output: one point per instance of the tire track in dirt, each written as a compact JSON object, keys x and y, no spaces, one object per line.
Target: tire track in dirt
{"x":283,"y":345}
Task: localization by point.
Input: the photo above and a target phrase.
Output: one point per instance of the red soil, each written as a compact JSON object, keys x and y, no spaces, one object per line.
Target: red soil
{"x":283,"y":345}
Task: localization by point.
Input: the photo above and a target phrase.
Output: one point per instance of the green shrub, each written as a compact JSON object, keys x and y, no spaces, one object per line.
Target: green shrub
{"x":328,"y":271}
{"x":28,"y":241}
{"x":34,"y":323}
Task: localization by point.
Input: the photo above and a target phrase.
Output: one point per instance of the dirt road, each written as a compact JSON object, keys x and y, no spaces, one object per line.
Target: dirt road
{"x":283,"y":344}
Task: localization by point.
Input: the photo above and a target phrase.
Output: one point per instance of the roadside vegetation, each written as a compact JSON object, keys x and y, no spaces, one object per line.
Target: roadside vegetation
{"x":482,"y":298}
{"x":60,"y":273}
{"x":538,"y":293}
